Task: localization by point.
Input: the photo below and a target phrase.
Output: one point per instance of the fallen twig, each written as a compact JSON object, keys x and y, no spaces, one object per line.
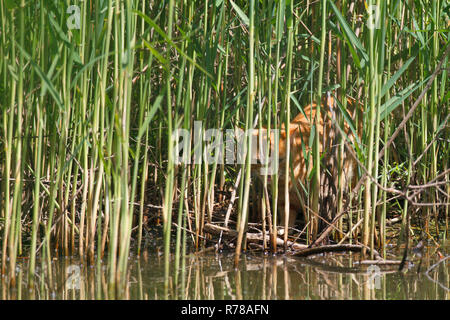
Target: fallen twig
{"x":334,"y":248}
{"x":251,"y":237}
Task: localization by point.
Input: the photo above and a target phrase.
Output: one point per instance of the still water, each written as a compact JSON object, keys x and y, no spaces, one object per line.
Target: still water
{"x":212,"y":276}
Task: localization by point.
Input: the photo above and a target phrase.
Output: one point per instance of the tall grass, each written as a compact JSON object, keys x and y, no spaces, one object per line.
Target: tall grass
{"x":88,"y":115}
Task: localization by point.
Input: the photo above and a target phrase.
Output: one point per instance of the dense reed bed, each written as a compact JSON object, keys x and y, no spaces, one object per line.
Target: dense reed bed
{"x":88,"y":165}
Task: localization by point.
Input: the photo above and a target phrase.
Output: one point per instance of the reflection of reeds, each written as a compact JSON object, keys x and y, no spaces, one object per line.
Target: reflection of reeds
{"x":86,"y":159}
{"x":212,"y":277}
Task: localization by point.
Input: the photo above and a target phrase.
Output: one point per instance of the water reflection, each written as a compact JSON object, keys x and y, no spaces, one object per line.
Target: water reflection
{"x":213,"y":277}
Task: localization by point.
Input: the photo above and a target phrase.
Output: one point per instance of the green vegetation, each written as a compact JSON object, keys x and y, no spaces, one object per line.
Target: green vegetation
{"x":87,"y":116}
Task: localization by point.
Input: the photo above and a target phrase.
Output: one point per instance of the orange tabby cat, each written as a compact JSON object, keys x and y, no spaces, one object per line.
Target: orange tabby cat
{"x":299,"y":135}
